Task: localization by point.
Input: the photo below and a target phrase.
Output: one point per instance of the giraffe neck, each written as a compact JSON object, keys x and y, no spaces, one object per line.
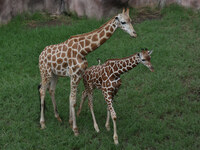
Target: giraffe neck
{"x":88,"y":42}
{"x":126,"y":64}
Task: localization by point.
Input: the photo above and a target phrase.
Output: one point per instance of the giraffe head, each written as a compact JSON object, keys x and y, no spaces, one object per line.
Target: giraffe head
{"x":123,"y":21}
{"x":144,"y":58}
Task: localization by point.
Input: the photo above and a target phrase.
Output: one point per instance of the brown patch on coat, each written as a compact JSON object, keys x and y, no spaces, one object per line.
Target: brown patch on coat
{"x":82,"y":44}
{"x":115,"y":67}
{"x":111,"y":29}
{"x":83,"y":52}
{"x":108,"y":34}
{"x":64,"y":48}
{"x":49,"y":57}
{"x":59,"y":61}
{"x":63,"y":55}
{"x":107,"y":28}
{"x":69,"y":52}
{"x":103,"y":40}
{"x":49,"y":50}
{"x":74,"y":62}
{"x":79,"y":58}
{"x":74,"y":53}
{"x":84,"y":65}
{"x":70,"y":62}
{"x":95,"y":37}
{"x":70,"y":43}
{"x":58,"y":67}
{"x":88,"y":50}
{"x":60,"y":48}
{"x":64,"y":65}
{"x":102,"y":34}
{"x":54,"y":65}
{"x":87,"y":42}
{"x":75,"y":46}
{"x":58,"y":55}
{"x":94,"y":46}
{"x":49,"y":64}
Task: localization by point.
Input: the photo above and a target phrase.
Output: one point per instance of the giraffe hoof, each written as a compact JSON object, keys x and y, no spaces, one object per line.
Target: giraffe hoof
{"x":116,"y":140}
{"x":42,"y":125}
{"x":76,"y":133}
{"x":96,"y":128}
{"x":108,"y":127}
{"x":59,"y":119}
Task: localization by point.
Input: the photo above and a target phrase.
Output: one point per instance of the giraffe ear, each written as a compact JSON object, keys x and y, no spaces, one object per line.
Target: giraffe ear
{"x":123,"y":11}
{"x":127,"y":12}
{"x":150,"y":52}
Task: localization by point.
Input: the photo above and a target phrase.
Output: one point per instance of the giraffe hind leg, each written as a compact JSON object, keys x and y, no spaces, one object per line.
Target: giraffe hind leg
{"x":107,"y":125}
{"x":44,"y":86}
{"x":45,"y":108}
{"x":52,"y":88}
{"x":90,"y":104}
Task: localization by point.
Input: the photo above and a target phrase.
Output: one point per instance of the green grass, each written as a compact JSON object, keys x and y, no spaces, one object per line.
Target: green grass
{"x":159,"y":110}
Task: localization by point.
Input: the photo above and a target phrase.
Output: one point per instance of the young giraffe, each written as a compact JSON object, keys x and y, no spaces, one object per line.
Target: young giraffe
{"x":68,"y":59}
{"x":107,"y":78}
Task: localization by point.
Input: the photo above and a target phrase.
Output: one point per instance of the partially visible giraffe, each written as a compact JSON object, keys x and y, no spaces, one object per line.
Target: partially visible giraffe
{"x":68,"y":59}
{"x":106,"y":77}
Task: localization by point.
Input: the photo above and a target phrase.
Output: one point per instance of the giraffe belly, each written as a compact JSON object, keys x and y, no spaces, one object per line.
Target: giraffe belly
{"x":62,"y":72}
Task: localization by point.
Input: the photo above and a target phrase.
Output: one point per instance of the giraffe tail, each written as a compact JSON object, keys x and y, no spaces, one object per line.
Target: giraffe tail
{"x":39,"y":87}
{"x":99,"y":61}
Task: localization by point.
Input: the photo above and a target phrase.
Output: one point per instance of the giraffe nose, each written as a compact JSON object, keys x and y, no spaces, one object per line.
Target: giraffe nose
{"x":134,"y":34}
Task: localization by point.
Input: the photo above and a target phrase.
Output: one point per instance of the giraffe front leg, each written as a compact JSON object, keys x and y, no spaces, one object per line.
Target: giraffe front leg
{"x":114,"y":118}
{"x":90,"y":104}
{"x":107,"y":125}
{"x":42,"y":91}
{"x":84,"y":95}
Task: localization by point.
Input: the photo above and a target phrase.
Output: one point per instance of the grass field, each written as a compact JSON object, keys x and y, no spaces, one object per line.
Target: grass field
{"x":159,"y":110}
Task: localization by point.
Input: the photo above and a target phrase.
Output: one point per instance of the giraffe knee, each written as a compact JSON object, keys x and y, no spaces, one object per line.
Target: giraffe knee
{"x":73,"y":103}
{"x":51,"y":92}
{"x":41,"y":92}
{"x":114,"y":116}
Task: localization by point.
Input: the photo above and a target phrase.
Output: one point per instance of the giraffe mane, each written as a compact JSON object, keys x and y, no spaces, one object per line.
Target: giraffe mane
{"x":121,"y":58}
{"x":85,"y":34}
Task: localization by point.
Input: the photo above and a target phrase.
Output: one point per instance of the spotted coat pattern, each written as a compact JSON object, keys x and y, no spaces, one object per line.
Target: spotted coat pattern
{"x":68,"y":59}
{"x":106,"y":77}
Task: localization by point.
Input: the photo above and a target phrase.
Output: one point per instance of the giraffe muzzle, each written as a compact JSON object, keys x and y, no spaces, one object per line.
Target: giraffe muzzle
{"x":134,"y":34}
{"x":151,"y":68}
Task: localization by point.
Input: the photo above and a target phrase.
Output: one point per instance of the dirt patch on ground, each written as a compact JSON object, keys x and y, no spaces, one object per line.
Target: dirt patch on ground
{"x":145,"y":13}
{"x":51,"y":21}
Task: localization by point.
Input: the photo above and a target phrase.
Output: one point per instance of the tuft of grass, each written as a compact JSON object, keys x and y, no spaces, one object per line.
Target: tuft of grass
{"x":157,"y":110}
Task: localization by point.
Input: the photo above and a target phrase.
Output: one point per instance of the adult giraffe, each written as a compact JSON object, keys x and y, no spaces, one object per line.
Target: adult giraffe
{"x":68,"y":59}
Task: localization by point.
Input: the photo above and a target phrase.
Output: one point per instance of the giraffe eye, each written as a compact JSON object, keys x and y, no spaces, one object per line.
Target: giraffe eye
{"x":143,"y":60}
{"x":123,"y":22}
